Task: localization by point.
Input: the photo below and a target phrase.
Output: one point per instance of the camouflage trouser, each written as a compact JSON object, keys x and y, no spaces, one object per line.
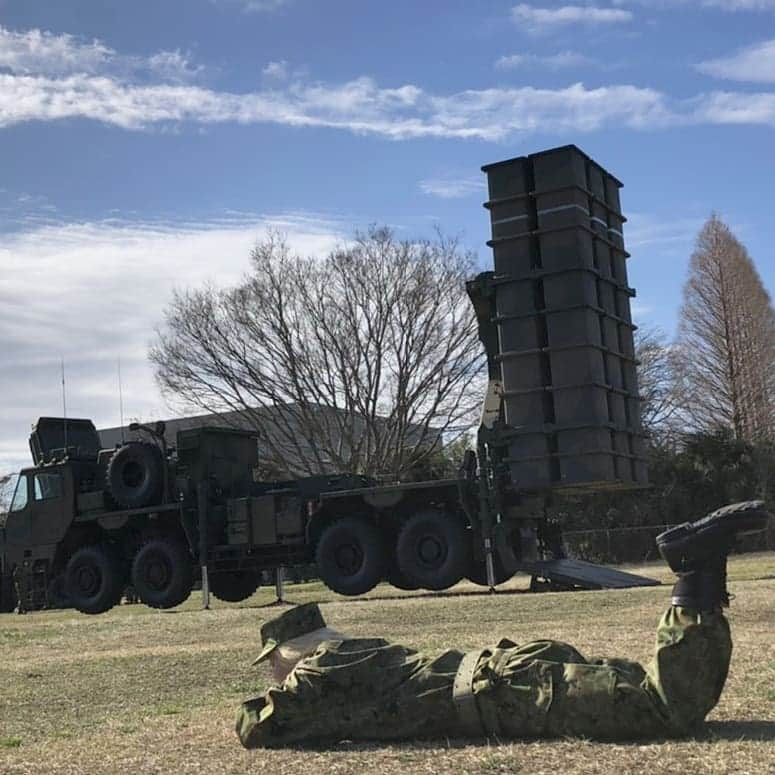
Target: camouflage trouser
{"x":368,"y":689}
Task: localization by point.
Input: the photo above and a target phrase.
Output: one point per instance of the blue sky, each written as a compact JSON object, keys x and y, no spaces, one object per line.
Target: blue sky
{"x":147,"y":145}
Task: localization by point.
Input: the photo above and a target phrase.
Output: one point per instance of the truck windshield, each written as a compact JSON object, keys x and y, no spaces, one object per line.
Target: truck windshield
{"x":20,"y":495}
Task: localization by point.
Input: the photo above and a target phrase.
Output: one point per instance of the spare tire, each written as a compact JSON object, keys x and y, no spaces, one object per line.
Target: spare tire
{"x":233,"y":586}
{"x":135,"y":475}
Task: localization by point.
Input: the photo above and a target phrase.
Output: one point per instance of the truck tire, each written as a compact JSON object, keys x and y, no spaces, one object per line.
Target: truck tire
{"x":397,"y":579}
{"x":56,"y":593}
{"x":505,"y":558}
{"x":7,"y":594}
{"x":433,"y":550}
{"x":94,"y":579}
{"x":233,"y":587}
{"x":351,"y":556}
{"x":162,"y":573}
{"x":477,"y":572}
{"x":135,"y":475}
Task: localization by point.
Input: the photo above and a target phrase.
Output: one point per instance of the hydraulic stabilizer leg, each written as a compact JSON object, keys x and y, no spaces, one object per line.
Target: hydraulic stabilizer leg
{"x":485,"y":515}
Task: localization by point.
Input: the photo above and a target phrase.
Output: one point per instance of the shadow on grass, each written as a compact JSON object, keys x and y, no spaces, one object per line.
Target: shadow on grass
{"x":754,"y":729}
{"x":443,"y":594}
{"x":732,"y":731}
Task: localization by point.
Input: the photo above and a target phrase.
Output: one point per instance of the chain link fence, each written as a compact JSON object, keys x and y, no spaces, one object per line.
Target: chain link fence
{"x":636,"y":544}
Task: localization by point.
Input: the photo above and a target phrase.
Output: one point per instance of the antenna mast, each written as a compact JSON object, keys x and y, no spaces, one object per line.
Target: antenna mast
{"x":120,"y":401}
{"x":64,"y":402}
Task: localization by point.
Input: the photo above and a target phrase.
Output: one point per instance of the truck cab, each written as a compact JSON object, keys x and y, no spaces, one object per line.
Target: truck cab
{"x":42,"y":507}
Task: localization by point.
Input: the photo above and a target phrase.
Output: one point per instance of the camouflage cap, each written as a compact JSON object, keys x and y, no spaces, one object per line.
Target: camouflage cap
{"x":291,"y":624}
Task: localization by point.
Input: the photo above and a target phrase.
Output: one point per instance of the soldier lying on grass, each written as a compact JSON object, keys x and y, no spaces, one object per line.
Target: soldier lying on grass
{"x":332,"y":687}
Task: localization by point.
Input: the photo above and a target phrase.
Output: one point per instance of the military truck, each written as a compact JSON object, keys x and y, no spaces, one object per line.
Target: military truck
{"x":561,"y":413}
{"x":84,"y":523}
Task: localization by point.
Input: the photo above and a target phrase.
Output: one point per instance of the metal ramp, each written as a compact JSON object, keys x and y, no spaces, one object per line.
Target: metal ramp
{"x":578,"y":574}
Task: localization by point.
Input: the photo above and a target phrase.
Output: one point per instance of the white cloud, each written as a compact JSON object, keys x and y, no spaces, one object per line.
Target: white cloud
{"x":276,"y":70}
{"x":451,"y":188}
{"x":360,"y":106}
{"x":736,"y":108}
{"x":30,"y":92}
{"x":740,"y":5}
{"x":721,"y":5}
{"x":91,"y":292}
{"x":256,"y":6}
{"x":42,"y":53}
{"x":667,"y":234}
{"x":538,"y":19}
{"x":754,"y":63}
{"x":173,"y":65}
{"x":556,"y":61}
{"x":38,"y":53}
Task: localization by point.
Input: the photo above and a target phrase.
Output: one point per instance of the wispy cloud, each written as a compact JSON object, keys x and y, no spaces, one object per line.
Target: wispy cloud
{"x":736,"y":108}
{"x":558,"y":61}
{"x":451,"y":188}
{"x":256,"y":6}
{"x":740,"y":5}
{"x":660,"y":232}
{"x":30,"y":92}
{"x":721,"y":5}
{"x":754,"y":63}
{"x":535,"y":18}
{"x":43,"y":54}
{"x":104,"y":291}
{"x":276,"y":70}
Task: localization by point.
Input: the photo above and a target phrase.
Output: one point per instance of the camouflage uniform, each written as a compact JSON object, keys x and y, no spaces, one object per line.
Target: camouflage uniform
{"x":369,"y":689}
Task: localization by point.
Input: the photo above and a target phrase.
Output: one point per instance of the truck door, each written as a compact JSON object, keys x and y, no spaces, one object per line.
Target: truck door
{"x":17,"y":524}
{"x":40,"y":511}
{"x":51,"y":512}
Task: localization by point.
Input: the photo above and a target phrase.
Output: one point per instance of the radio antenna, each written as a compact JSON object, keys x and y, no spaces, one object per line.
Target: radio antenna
{"x":64,"y":402}
{"x":120,"y":401}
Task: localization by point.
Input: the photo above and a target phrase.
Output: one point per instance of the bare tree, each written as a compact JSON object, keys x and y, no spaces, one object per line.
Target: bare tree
{"x":365,"y":360}
{"x":727,"y":338}
{"x":660,"y":385}
{"x":7,"y":482}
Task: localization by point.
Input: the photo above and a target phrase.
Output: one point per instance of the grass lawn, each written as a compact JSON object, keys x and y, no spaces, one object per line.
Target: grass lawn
{"x":138,"y":690}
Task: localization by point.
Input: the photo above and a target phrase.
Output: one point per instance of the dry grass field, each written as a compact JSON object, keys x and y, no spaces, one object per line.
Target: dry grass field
{"x":137,"y":690}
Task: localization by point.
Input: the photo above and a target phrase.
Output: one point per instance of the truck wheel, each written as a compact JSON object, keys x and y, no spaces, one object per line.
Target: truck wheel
{"x":477,"y":572}
{"x":351,"y":556}
{"x":397,"y":579}
{"x":7,"y":594}
{"x":505,"y":558}
{"x":56,"y":593}
{"x":433,"y":550}
{"x":233,"y":587}
{"x":162,"y":573}
{"x":135,"y":475}
{"x":93,"y":579}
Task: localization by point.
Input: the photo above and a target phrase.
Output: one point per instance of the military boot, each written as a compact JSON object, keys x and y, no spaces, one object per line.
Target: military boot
{"x":697,"y":552}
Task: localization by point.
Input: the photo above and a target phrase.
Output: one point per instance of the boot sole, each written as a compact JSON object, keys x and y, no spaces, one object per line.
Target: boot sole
{"x":694,"y":542}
